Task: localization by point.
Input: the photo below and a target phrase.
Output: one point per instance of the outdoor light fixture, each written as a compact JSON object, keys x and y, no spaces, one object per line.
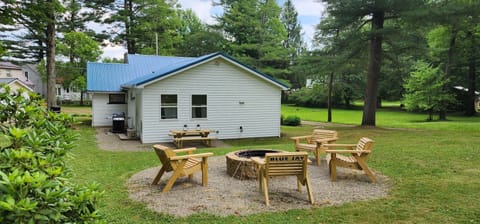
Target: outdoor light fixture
{"x":241,"y":129}
{"x":185,"y":127}
{"x":198,"y":127}
{"x":241,"y":102}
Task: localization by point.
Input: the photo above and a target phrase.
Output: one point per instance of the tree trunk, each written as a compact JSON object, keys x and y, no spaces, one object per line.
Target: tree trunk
{"x":330,"y":87}
{"x":374,"y":64}
{"x":81,"y":97}
{"x":51,"y":77}
{"x":442,"y":115}
{"x":128,"y":7}
{"x":470,"y":107}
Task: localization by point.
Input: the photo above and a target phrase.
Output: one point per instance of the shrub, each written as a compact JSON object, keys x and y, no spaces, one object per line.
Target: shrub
{"x":292,"y":121}
{"x":34,"y":184}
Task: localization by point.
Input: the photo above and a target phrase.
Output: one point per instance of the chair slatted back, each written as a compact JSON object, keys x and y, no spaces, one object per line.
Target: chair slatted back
{"x":164,"y":153}
{"x":364,"y":144}
{"x":319,"y":134}
{"x":286,"y":164}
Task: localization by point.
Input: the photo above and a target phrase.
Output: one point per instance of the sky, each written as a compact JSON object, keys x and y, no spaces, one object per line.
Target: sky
{"x":309,"y":13}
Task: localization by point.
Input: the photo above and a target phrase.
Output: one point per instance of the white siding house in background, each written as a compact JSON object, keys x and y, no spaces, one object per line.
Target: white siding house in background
{"x":164,"y":93}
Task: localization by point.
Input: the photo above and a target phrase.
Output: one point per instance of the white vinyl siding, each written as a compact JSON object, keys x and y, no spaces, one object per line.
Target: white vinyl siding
{"x":103,"y":111}
{"x":236,"y":98}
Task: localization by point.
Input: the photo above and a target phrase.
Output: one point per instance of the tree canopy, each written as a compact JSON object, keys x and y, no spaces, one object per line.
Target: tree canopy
{"x":364,"y":49}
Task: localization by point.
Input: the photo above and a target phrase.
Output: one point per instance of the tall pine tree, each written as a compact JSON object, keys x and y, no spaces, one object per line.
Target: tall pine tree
{"x":256,"y":34}
{"x":145,"y":23}
{"x":360,"y":19}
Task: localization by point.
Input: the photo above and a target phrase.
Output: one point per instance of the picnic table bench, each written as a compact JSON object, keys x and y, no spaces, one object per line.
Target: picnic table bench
{"x":180,"y":136}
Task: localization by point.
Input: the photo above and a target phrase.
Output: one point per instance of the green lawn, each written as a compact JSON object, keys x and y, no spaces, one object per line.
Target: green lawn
{"x":385,"y":117}
{"x":434,"y":168}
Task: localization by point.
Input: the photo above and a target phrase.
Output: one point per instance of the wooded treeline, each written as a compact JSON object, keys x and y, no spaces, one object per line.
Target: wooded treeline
{"x":412,"y":51}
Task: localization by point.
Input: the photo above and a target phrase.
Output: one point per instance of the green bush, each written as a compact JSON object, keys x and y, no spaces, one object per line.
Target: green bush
{"x":292,"y":121}
{"x":308,"y":97}
{"x":34,"y":184}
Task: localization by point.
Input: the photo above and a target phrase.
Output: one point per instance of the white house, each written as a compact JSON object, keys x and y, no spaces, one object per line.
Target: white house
{"x":15,"y":84}
{"x":159,"y":94}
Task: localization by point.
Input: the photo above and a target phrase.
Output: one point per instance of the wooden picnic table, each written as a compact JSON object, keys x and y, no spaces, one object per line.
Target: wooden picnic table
{"x":179,"y":136}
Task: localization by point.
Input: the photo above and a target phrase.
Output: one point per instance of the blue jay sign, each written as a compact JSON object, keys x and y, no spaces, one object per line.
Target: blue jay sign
{"x":287,"y":158}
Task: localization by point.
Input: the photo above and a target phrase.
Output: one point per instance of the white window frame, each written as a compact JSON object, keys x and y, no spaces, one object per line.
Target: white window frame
{"x":199,"y":106}
{"x":167,"y":106}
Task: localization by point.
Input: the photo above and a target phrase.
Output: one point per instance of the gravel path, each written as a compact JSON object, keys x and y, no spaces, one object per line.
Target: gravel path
{"x":225,"y":195}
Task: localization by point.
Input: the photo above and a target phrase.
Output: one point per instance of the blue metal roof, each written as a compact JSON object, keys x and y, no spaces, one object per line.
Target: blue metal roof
{"x":142,"y":69}
{"x":107,"y":77}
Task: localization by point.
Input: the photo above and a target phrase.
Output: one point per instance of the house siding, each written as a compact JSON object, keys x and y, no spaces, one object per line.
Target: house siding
{"x":226,"y":85}
{"x":103,"y":110}
{"x":34,"y":77}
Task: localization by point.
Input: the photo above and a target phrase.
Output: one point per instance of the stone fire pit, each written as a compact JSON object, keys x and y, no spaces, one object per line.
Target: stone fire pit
{"x":239,"y":164}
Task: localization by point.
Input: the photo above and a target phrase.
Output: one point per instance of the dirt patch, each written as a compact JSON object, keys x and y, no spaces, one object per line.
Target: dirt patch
{"x":226,"y":195}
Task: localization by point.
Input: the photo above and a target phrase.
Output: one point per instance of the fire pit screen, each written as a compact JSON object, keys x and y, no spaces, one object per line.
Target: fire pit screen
{"x":239,"y":164}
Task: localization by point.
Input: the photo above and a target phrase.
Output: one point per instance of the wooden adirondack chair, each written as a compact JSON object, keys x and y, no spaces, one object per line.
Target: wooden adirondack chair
{"x":283,"y":164}
{"x":185,"y":165}
{"x":314,"y":142}
{"x":357,"y":160}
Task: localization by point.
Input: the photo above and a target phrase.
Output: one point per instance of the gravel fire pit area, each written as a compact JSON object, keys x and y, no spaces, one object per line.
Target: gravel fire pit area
{"x":226,"y":195}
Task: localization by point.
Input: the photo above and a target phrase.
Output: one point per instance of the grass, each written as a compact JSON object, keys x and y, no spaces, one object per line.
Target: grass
{"x":434,"y":169}
{"x":391,"y":117}
{"x":77,"y":110}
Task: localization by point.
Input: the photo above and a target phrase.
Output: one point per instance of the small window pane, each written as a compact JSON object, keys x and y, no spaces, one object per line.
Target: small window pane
{"x":199,"y":100}
{"x":169,"y":100}
{"x":169,"y":113}
{"x":199,"y":112}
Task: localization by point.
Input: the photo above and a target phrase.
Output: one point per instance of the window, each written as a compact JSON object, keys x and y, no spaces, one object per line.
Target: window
{"x":26,"y":75}
{"x":116,"y":98}
{"x":168,"y":106}
{"x":199,"y":106}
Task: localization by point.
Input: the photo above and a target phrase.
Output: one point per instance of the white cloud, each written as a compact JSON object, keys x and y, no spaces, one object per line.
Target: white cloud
{"x":308,"y":32}
{"x":203,"y":9}
{"x":308,"y":7}
{"x":115,"y":51}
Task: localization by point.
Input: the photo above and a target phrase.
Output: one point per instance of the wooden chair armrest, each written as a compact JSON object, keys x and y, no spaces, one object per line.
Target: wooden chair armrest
{"x":340,"y":145}
{"x":184,"y":150}
{"x":258,"y":160}
{"x":199,"y":155}
{"x":301,"y":137}
{"x":326,"y":140}
{"x":346,"y":151}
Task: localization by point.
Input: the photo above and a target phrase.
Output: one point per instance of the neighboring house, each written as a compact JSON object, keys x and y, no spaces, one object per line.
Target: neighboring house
{"x":66,"y":94}
{"x":159,"y":94}
{"x":15,"y":84}
{"x":32,"y":75}
{"x":9,"y":70}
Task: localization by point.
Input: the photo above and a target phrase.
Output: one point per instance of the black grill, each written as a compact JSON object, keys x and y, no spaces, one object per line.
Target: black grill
{"x":118,"y":122}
